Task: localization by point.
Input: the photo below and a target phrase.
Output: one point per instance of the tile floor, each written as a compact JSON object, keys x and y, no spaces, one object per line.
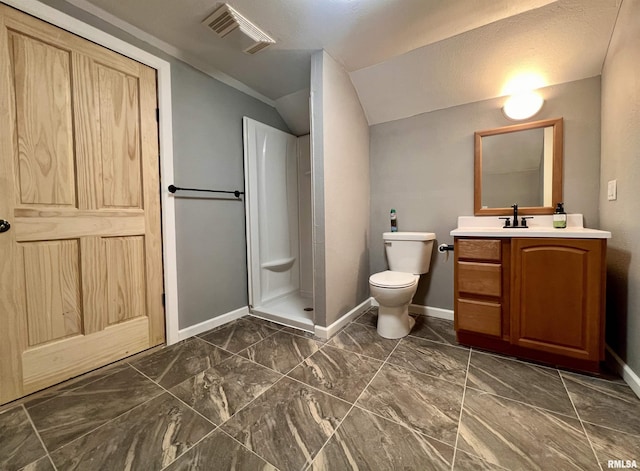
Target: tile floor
{"x":252,"y":395}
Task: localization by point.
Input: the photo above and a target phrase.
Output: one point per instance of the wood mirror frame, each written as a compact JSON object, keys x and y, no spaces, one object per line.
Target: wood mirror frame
{"x":556,"y":184}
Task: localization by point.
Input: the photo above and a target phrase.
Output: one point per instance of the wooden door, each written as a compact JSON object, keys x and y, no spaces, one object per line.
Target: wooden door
{"x":558,"y":296}
{"x":81,"y":266}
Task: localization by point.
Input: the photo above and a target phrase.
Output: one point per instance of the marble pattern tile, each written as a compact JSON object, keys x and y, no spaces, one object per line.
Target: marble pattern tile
{"x":365,"y":340}
{"x":434,"y":329}
{"x":426,"y":327}
{"x":304,"y":333}
{"x":467,"y":462}
{"x":19,"y":444}
{"x":435,"y":359}
{"x":288,"y":424}
{"x":605,"y":403}
{"x":75,"y":383}
{"x":176,"y":363}
{"x":43,"y":464}
{"x":525,"y":382}
{"x":423,"y":403}
{"x":219,"y":392}
{"x":365,"y":441}
{"x":264,"y":322}
{"x":219,"y":451}
{"x":238,"y":335}
{"x":281,"y":351}
{"x":148,"y":437}
{"x":613,"y":445}
{"x":369,"y":318}
{"x":66,"y":417}
{"x":518,"y":436}
{"x":339,"y":372}
{"x":91,"y":422}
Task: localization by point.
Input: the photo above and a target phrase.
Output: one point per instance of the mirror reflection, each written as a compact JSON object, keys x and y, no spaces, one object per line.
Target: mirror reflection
{"x":519,"y":164}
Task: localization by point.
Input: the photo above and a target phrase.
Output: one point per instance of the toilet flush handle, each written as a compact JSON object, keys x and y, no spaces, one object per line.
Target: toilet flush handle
{"x":387,"y":243}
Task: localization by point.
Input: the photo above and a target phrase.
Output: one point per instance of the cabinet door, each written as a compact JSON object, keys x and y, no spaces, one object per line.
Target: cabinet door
{"x":558,"y":296}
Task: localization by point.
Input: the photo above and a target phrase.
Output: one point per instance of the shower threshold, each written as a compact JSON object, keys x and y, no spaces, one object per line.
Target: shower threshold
{"x":291,"y":310}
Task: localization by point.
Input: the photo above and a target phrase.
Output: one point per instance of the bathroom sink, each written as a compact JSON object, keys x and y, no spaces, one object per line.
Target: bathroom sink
{"x":539,"y":226}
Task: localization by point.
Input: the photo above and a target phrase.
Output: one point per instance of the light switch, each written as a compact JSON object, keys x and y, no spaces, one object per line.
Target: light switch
{"x":612,"y":190}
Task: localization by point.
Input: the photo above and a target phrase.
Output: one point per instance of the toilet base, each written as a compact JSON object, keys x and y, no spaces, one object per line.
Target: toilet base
{"x":394,"y":322}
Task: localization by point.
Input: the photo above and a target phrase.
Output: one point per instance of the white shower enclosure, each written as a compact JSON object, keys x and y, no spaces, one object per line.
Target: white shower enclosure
{"x":277,"y":174}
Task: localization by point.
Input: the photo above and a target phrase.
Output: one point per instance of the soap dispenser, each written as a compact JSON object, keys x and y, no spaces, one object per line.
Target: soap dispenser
{"x":559,"y":217}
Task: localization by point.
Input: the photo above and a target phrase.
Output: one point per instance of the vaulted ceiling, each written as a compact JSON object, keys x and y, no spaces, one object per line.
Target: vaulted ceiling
{"x":405,"y":57}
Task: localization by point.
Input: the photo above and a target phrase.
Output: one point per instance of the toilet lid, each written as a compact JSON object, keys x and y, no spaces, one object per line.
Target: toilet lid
{"x":392,"y":279}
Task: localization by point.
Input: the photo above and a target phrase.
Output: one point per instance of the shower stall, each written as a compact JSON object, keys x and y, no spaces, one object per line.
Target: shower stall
{"x":277,"y":176}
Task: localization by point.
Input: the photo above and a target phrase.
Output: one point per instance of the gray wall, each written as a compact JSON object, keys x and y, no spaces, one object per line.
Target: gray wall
{"x":208,"y":153}
{"x":340,"y":154}
{"x":621,"y":161}
{"x":423,"y":167}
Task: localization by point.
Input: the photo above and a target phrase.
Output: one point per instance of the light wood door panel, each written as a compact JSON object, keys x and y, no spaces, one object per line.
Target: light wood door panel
{"x":44,"y":365}
{"x":125,"y":278}
{"x":81,"y":282}
{"x":118,"y":102}
{"x":52,"y":290}
{"x":42,"y":81}
{"x":94,"y":284}
{"x":39,"y":225}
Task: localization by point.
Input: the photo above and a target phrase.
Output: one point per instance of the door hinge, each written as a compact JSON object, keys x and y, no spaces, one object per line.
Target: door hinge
{"x":164,"y":300}
{"x":158,"y":115}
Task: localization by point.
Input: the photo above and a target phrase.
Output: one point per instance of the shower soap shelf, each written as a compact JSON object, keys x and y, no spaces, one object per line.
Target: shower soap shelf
{"x":281,"y":264}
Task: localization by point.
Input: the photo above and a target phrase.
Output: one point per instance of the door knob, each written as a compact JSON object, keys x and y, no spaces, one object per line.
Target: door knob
{"x":4,"y":225}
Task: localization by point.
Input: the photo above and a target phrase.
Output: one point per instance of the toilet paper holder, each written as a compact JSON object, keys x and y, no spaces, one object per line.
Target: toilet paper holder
{"x":442,"y":248}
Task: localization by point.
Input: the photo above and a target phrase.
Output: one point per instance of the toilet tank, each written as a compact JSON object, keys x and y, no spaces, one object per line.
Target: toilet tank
{"x":409,"y":252}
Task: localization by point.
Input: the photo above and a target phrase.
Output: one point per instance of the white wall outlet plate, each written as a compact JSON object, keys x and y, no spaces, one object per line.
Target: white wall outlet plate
{"x":612,"y":190}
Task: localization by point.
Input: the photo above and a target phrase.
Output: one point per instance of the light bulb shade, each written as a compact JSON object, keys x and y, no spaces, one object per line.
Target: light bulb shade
{"x":522,"y":105}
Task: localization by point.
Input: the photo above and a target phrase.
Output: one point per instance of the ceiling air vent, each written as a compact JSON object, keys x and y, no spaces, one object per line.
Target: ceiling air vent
{"x":228,"y":23}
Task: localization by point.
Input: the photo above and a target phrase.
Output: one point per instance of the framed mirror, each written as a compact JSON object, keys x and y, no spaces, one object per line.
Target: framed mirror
{"x":519,"y":164}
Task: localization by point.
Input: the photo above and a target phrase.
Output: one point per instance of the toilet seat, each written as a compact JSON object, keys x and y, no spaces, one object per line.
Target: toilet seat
{"x":393,"y":279}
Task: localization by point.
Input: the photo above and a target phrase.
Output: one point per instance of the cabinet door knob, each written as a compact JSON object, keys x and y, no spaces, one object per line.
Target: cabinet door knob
{"x":4,"y":225}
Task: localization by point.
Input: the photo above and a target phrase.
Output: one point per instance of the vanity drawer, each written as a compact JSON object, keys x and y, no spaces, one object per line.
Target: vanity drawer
{"x":480,"y":278}
{"x":479,"y":249}
{"x":479,"y":316}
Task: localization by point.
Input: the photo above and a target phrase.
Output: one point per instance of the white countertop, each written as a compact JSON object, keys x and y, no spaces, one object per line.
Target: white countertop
{"x":539,"y":226}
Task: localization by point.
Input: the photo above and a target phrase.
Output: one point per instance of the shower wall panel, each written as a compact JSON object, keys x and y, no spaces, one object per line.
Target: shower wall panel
{"x":271,"y":176}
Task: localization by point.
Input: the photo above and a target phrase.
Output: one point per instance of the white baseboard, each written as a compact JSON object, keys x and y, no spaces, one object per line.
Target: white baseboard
{"x":438,"y":312}
{"x":326,"y":332}
{"x":431,"y":311}
{"x":212,"y":323}
{"x":630,"y":377}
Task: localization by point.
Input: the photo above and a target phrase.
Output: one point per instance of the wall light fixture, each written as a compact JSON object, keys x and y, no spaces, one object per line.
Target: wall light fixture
{"x":522,"y":105}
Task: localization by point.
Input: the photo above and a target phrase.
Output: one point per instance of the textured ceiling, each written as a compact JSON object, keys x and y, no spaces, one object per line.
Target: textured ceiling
{"x":405,"y":56}
{"x":562,"y":42}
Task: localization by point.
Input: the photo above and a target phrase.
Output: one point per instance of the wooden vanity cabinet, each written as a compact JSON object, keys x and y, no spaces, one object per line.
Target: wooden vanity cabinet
{"x":558,"y":296}
{"x":548,"y":305}
{"x":481,"y":286}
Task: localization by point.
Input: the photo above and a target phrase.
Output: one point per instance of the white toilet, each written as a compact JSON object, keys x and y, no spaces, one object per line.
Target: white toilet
{"x":409,"y":256}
